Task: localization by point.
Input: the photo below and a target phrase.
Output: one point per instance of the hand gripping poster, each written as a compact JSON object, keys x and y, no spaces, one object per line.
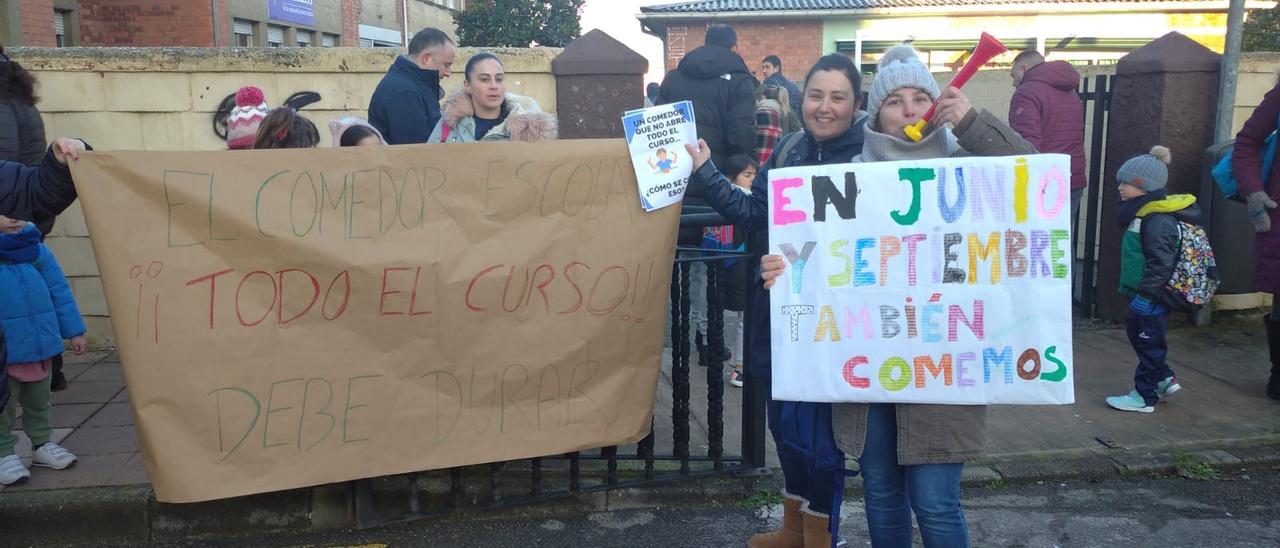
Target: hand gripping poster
{"x":933,"y":281}
{"x":656,"y":137}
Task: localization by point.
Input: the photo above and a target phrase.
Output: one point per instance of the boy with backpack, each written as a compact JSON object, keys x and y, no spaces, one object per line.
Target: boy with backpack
{"x":1165,"y":262}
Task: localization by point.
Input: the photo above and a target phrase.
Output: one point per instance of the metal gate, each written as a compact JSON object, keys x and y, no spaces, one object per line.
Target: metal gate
{"x":681,"y":452}
{"x":1097,"y":110}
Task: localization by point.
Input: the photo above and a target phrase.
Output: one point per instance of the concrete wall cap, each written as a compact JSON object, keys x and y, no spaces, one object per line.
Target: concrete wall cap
{"x":598,"y":53}
{"x":251,"y":59}
{"x":1173,"y":52}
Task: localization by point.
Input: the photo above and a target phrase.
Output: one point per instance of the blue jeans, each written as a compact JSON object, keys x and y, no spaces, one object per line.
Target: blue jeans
{"x":893,"y":491}
{"x":799,"y":478}
{"x":1146,"y":334}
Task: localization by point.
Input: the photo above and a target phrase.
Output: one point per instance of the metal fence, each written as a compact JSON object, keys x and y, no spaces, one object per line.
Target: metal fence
{"x":1097,"y":101}
{"x":687,"y":438}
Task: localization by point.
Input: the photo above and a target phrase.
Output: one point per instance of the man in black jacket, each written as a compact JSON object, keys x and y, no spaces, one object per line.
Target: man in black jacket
{"x":36,"y":193}
{"x":406,"y":104}
{"x":723,"y":93}
{"x":771,"y":70}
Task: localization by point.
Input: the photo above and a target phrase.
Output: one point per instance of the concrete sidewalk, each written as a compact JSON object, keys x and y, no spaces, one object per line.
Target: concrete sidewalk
{"x":1221,"y":415}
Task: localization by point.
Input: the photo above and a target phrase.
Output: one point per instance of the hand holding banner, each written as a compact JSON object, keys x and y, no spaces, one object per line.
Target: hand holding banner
{"x":656,"y":137}
{"x":934,"y":281}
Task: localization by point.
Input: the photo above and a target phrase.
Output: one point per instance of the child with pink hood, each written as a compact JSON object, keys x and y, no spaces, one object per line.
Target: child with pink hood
{"x":349,"y":131}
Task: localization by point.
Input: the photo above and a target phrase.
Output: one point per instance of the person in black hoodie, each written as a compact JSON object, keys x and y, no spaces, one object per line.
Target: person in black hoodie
{"x":723,"y":92}
{"x":406,"y":104}
{"x":832,"y":134}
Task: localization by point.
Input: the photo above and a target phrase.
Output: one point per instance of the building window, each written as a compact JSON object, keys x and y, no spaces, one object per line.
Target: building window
{"x":60,"y":19}
{"x":244,"y":33}
{"x":275,"y":36}
{"x":304,"y":38}
{"x":378,"y":37}
{"x":328,"y":40}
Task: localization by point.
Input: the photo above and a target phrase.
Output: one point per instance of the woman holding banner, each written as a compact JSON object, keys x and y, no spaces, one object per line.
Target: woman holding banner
{"x":832,"y":134}
{"x":482,"y":110}
{"x":903,"y":465}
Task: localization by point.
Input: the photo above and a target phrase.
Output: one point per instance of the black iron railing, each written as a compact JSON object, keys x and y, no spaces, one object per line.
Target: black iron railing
{"x":1100,"y":98}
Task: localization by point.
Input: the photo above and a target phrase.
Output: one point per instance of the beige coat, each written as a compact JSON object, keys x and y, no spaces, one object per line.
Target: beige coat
{"x":934,"y":434}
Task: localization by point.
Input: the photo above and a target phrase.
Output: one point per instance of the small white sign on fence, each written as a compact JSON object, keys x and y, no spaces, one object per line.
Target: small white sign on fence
{"x":656,"y":137}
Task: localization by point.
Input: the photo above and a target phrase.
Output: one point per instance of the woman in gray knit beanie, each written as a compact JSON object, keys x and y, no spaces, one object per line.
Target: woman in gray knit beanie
{"x":904,"y":469}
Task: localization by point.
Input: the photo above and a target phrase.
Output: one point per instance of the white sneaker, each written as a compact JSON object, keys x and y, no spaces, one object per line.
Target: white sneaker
{"x":52,"y":455}
{"x":12,"y":471}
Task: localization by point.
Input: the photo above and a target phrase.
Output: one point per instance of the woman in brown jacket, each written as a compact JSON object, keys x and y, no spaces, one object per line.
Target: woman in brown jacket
{"x":911,"y":455}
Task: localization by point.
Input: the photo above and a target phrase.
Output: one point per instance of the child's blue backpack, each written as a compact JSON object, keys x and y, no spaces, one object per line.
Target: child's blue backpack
{"x":806,"y":432}
{"x":1226,"y":180}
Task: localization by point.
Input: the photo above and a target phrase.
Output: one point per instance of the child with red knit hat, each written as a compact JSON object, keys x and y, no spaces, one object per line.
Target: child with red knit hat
{"x":242,"y":124}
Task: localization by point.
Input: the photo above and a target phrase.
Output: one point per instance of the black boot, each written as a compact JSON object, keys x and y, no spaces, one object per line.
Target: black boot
{"x":700,"y":343}
{"x":1273,"y":344}
{"x":59,"y":381}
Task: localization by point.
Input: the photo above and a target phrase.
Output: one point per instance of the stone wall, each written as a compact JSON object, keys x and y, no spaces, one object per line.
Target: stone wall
{"x":1258,"y":73}
{"x":164,"y":99}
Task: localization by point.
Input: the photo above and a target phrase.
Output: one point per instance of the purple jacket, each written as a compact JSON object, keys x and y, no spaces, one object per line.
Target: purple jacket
{"x":1047,"y":112}
{"x":1246,"y":165}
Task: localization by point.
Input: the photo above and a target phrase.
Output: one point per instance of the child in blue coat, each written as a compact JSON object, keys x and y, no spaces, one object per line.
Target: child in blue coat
{"x":39,"y":192}
{"x":37,"y":311}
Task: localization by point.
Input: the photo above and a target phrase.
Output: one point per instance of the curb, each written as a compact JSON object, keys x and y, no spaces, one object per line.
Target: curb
{"x":129,"y":515}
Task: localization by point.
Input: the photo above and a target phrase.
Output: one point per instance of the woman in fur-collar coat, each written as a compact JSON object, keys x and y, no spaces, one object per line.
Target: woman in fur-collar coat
{"x":482,"y":110}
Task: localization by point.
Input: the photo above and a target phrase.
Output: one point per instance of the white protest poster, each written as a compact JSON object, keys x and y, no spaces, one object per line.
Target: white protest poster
{"x":932,"y":281}
{"x":656,"y":137}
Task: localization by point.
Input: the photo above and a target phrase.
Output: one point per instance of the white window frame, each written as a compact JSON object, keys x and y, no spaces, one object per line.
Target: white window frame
{"x":241,"y":27}
{"x":306,"y":38}
{"x":60,"y":18}
{"x":379,"y":37}
{"x":328,"y":40}
{"x":271,"y":30}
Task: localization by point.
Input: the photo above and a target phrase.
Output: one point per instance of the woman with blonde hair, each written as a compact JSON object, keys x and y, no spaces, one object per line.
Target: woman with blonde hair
{"x":774,"y":118}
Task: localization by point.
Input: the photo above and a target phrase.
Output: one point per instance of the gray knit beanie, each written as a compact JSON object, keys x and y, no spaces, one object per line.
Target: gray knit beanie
{"x":899,"y":68}
{"x":1149,"y":172}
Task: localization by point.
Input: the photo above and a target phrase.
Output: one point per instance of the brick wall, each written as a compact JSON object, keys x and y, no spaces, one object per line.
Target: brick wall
{"x":798,"y":43}
{"x":226,"y":36}
{"x":37,"y":23}
{"x":350,"y":23}
{"x":146,"y":23}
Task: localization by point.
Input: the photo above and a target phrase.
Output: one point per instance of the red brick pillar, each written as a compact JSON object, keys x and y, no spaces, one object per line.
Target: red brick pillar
{"x":597,"y":79}
{"x":1164,"y":94}
{"x":350,"y":23}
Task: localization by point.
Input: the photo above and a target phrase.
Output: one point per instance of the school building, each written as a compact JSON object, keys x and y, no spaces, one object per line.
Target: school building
{"x":800,"y":31}
{"x":221,"y":23}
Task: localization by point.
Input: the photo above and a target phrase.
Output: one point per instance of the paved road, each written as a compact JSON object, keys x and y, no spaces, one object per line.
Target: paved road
{"x":1240,"y":510}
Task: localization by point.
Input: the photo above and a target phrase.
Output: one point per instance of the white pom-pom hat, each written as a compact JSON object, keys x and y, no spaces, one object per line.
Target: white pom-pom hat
{"x":899,"y":68}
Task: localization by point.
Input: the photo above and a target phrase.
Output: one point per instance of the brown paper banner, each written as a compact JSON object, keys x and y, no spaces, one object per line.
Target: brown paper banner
{"x":299,"y":317}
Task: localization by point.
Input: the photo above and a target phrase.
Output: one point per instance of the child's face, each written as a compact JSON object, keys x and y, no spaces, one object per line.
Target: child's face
{"x":370,"y":141}
{"x":662,"y":154}
{"x":10,"y":226}
{"x":745,"y":178}
{"x":1129,"y":192}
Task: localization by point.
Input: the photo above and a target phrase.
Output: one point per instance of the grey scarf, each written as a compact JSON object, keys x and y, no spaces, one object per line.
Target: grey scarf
{"x":881,"y":147}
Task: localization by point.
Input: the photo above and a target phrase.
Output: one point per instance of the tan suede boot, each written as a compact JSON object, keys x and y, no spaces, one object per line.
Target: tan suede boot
{"x":791,"y":535}
{"x":816,"y":534}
